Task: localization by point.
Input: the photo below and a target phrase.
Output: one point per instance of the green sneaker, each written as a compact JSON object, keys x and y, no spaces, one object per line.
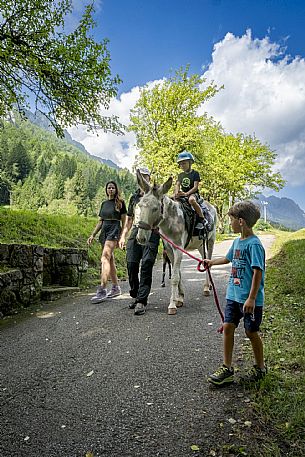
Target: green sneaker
{"x":253,"y":375}
{"x":222,"y":376}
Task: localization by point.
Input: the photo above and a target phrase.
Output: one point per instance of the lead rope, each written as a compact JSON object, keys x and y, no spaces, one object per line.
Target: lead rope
{"x":201,"y":263}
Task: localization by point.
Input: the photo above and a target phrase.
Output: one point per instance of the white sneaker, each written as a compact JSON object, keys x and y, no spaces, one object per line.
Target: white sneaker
{"x":114,"y":292}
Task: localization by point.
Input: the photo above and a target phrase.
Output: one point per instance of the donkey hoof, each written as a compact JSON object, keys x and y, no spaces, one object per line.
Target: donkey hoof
{"x":171,"y":311}
{"x":162,"y":284}
{"x":179,"y":304}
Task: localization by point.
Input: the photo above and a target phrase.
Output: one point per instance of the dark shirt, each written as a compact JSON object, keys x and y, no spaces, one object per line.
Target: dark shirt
{"x":109,"y":213}
{"x":187,"y":180}
{"x":134,"y":200}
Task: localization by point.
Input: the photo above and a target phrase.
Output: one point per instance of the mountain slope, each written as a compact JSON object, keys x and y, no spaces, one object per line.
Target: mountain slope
{"x":283,"y":211}
{"x":41,"y":121}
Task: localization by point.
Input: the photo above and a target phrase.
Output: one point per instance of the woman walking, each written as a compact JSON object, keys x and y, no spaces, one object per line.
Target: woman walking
{"x":112,"y":216}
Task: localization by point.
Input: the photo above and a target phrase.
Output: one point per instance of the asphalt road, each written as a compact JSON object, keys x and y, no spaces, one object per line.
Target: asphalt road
{"x":79,"y":378}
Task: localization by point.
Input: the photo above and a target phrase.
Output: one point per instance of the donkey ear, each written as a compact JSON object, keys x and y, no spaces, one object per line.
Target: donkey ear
{"x":166,"y":186}
{"x":144,"y":185}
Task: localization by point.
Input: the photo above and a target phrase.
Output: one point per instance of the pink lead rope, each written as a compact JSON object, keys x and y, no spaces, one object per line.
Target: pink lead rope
{"x":199,"y":268}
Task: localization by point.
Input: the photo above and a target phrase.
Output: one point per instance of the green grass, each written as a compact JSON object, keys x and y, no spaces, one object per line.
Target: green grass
{"x":29,"y":227}
{"x":280,"y":398}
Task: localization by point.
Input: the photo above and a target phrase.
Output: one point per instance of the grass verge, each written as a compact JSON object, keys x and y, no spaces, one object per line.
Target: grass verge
{"x":279,"y":400}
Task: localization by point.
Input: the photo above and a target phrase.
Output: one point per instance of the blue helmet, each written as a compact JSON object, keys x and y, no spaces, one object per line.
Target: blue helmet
{"x":185,"y":155}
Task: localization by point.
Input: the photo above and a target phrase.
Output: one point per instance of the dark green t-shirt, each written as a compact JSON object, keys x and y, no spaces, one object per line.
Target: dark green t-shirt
{"x":109,"y":213}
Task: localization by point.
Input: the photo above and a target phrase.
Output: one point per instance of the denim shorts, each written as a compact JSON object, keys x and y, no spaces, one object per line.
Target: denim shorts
{"x":234,"y":313}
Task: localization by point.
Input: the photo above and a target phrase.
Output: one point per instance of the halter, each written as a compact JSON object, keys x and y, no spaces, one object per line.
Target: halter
{"x":144,"y":226}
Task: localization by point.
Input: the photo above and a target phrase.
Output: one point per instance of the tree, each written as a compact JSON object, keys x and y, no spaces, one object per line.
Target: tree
{"x":165,"y":120}
{"x":29,"y":195}
{"x":5,"y":188}
{"x":234,"y":167}
{"x":76,"y":190}
{"x":67,"y":74}
{"x":18,"y":163}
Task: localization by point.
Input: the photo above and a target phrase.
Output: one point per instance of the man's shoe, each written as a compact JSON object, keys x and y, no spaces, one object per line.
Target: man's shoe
{"x":101,"y":295}
{"x":139,"y":309}
{"x":253,"y":375}
{"x":114,"y":292}
{"x":163,"y":284}
{"x":132,"y":305}
{"x":222,"y":376}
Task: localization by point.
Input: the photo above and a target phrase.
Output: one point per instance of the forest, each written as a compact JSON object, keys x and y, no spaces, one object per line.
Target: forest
{"x":44,"y":173}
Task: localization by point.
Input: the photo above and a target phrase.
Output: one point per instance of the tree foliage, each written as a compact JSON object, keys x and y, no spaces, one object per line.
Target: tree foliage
{"x":234,"y":167}
{"x":68,"y":74}
{"x":166,"y":120}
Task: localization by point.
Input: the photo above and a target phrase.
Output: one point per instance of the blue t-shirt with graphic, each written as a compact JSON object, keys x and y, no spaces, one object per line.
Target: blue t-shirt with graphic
{"x":245,"y":255}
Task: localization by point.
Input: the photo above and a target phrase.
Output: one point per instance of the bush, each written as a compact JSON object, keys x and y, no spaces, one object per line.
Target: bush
{"x":263,"y":226}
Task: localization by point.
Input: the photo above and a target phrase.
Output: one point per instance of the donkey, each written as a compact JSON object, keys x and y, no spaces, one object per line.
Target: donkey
{"x":157,"y":210}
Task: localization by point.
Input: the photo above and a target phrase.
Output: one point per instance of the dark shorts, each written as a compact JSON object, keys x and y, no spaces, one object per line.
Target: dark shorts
{"x":234,"y":313}
{"x":197,"y":197}
{"x":111,"y":231}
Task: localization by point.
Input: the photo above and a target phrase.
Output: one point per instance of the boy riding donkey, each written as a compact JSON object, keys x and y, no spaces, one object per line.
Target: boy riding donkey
{"x":187,"y":186}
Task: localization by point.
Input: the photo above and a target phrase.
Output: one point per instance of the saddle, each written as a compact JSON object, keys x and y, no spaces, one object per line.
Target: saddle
{"x":191,"y":219}
{"x":208,"y":216}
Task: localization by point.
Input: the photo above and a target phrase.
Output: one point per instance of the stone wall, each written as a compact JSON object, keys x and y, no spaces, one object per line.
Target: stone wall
{"x":25,"y":269}
{"x":64,"y":266}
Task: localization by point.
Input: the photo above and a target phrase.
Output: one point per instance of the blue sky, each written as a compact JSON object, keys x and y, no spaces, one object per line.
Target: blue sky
{"x":148,"y":38}
{"x":255,"y":48}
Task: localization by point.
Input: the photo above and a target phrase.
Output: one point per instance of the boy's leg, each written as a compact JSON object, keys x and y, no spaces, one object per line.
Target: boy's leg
{"x":257,"y":347}
{"x":228,"y":343}
{"x":252,"y":323}
{"x":225,"y":374}
{"x":196,"y":206}
{"x":193,"y":202}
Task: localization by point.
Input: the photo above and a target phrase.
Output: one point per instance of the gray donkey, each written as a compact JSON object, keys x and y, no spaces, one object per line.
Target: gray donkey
{"x":157,"y":210}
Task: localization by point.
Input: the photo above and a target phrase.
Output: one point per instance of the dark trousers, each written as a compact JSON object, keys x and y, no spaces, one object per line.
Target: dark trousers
{"x":136,"y":253}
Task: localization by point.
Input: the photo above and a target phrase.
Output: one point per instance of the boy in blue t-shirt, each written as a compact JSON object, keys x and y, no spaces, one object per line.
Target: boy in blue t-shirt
{"x":245,"y":292}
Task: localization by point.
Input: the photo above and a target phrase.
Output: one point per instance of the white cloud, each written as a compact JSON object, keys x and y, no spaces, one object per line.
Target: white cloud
{"x":121,"y":149}
{"x":118,"y":148}
{"x":264,"y":94}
